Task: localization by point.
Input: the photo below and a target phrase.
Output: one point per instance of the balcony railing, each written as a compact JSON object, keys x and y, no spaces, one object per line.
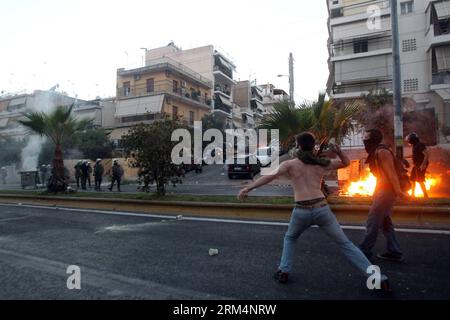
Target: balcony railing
{"x":340,"y":49}
{"x":441,"y":28}
{"x":441,"y":77}
{"x":224,"y":70}
{"x":222,"y":89}
{"x":162,"y":87}
{"x":168,"y":63}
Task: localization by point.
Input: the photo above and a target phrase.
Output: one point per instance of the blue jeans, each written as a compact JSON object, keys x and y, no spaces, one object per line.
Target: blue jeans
{"x":380,"y":217}
{"x":302,"y":219}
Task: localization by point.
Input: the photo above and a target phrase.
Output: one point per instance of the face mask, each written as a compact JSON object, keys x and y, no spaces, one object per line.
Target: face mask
{"x":413,"y":140}
{"x":370,"y":145}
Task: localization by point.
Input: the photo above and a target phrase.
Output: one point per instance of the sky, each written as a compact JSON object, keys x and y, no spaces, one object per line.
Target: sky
{"x":79,"y":44}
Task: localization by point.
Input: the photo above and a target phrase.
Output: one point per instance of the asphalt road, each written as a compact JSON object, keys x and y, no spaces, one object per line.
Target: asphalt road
{"x":141,"y":257}
{"x":212,"y":181}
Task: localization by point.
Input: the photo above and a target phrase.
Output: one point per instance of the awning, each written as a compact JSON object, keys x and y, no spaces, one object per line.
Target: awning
{"x":442,"y":9}
{"x":18,"y":101}
{"x":117,"y":134}
{"x":139,"y":106}
{"x":443,"y":58}
{"x":226,"y":63}
{"x":93,"y":114}
{"x":4,"y":122}
{"x":225,"y":101}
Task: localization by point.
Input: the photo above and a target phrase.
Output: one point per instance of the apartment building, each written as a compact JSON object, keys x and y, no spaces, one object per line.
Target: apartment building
{"x":163,"y":86}
{"x":12,"y":106}
{"x":242,"y":95}
{"x":211,"y":64}
{"x":99,"y":111}
{"x":271,"y":96}
{"x":360,"y":55}
{"x":257,"y":100}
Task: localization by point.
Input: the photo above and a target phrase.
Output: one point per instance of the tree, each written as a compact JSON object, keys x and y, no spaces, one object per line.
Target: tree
{"x":94,"y":143}
{"x":325,"y":118}
{"x":377,"y":111}
{"x":151,"y":147}
{"x":212,"y":121}
{"x":289,"y":120}
{"x":57,"y":126}
{"x":332,"y":120}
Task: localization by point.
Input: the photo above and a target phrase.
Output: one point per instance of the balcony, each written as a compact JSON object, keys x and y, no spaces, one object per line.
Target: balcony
{"x":164,"y":87}
{"x":346,"y":50}
{"x":221,"y":105}
{"x":357,"y":12}
{"x":222,"y":89}
{"x":164,"y":64}
{"x":441,"y":83}
{"x":438,"y":33}
{"x":441,"y":77}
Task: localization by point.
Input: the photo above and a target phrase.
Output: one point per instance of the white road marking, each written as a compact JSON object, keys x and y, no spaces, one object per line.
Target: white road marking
{"x":251,"y":222}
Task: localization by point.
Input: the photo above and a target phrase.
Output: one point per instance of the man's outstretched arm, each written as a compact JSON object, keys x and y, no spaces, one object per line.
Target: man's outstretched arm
{"x":343,"y":161}
{"x":283,"y":169}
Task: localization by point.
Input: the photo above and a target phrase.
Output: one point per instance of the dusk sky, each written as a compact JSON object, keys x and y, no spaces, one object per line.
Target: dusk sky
{"x":80,"y":44}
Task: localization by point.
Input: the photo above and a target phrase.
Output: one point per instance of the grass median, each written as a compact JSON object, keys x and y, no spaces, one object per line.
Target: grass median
{"x":275,"y":200}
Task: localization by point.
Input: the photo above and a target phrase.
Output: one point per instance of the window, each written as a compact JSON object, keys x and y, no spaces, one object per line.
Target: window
{"x":126,"y":89}
{"x":191,"y":118}
{"x":409,"y":45}
{"x":174,"y":113}
{"x":150,"y":85}
{"x":335,"y":13}
{"x":175,"y":86}
{"x":406,"y":7}
{"x":360,"y":46}
{"x":410,"y":85}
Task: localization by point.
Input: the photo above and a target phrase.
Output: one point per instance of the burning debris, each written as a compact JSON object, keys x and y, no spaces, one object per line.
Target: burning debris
{"x":365,"y":185}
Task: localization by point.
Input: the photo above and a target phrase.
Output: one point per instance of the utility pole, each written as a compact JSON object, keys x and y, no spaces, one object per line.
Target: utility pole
{"x":291,"y":79}
{"x":396,"y":82}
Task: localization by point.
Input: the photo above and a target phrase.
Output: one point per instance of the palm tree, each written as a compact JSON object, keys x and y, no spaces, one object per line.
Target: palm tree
{"x":289,"y":120}
{"x":57,"y":126}
{"x":332,"y":120}
{"x":325,"y":118}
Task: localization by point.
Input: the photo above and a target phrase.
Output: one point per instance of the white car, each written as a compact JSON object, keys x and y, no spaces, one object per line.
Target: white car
{"x":264,"y":155}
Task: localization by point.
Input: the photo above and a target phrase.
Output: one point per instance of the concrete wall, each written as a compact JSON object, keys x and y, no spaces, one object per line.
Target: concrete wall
{"x":201,"y":59}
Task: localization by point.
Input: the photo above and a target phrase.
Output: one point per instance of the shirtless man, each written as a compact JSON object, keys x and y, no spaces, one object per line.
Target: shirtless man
{"x":311,"y":208}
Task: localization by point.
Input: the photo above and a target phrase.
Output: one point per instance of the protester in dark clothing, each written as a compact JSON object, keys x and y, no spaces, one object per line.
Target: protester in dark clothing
{"x":77,"y":168}
{"x":420,"y":161}
{"x":117,"y":173}
{"x":382,"y":165}
{"x":88,"y":177}
{"x":84,"y":174}
{"x":98,"y":174}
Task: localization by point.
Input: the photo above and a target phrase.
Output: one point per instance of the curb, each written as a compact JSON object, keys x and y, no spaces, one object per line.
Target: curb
{"x":417,"y":216}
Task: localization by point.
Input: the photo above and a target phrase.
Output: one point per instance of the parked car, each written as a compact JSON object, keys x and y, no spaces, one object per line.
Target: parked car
{"x":265,"y":154}
{"x":249,"y":169}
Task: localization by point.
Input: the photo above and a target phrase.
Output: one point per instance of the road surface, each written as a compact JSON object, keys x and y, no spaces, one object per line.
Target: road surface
{"x":132,"y":256}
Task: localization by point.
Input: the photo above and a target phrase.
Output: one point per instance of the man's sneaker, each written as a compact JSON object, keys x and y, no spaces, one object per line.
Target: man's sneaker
{"x":391,"y":257}
{"x":281,"y":277}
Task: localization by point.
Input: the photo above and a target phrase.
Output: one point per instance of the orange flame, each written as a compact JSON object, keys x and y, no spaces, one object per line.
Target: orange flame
{"x":366,"y":186}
